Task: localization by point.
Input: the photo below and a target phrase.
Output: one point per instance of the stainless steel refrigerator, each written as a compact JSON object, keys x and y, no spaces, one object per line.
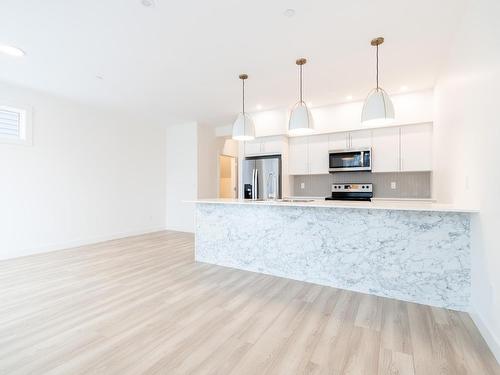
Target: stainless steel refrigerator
{"x":262,"y":177}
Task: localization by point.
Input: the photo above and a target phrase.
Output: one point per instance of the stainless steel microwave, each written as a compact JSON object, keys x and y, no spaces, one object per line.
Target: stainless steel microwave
{"x":350,"y":160}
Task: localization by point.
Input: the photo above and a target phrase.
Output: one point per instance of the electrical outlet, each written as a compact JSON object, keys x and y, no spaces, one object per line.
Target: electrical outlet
{"x":393,"y":185}
{"x":302,"y":185}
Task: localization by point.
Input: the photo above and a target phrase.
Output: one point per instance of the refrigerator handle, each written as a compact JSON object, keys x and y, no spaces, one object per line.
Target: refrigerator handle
{"x":256,"y":184}
{"x":254,"y":192}
{"x":253,"y":183}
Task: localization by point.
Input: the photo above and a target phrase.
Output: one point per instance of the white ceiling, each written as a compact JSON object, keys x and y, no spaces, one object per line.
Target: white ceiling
{"x":179,"y":61}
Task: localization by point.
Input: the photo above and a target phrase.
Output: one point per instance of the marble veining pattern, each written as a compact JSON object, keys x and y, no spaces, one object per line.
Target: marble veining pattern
{"x":422,"y":257}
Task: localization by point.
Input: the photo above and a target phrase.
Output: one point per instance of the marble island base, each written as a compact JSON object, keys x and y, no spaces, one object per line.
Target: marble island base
{"x":415,"y":256}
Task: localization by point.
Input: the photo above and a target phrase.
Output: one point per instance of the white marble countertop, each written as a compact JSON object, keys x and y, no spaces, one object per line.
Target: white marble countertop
{"x":376,"y":205}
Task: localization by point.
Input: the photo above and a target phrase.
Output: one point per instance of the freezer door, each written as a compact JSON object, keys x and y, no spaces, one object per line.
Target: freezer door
{"x":268,"y":178}
{"x":248,"y":172}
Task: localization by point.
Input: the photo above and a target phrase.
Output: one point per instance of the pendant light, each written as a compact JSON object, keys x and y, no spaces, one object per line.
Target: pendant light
{"x":243,"y":127}
{"x":378,"y":108}
{"x":300,"y":122}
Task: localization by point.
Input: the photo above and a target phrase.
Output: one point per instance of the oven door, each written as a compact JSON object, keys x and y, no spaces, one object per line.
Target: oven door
{"x":350,"y":160}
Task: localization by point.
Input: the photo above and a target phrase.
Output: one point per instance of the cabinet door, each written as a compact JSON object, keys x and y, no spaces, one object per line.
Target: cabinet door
{"x":416,"y":148}
{"x":385,"y":150}
{"x":338,"y":141}
{"x":361,"y":139}
{"x":272,"y":145}
{"x":297,"y":156}
{"x":318,"y":154}
{"x":253,"y":147}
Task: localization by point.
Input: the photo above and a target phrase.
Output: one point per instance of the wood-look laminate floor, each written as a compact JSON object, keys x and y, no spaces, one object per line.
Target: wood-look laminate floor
{"x":141,"y":305}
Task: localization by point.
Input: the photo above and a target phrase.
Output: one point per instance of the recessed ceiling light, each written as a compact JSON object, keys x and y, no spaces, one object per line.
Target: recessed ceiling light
{"x":289,"y":13}
{"x":403,"y":88}
{"x":348,"y":97}
{"x":11,"y":50}
{"x":259,"y":107}
{"x":148,"y":3}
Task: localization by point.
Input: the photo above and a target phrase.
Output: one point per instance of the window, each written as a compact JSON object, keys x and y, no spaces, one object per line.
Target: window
{"x":15,"y":125}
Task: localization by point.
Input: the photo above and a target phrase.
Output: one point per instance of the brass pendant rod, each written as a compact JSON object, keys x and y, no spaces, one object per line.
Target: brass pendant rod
{"x":300,"y":83}
{"x":377,"y":67}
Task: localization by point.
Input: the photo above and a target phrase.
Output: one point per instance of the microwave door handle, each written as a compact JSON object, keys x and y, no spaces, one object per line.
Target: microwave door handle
{"x":362,"y":158}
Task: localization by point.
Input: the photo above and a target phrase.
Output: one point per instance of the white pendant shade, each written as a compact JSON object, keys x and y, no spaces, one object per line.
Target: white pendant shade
{"x":243,"y":127}
{"x":378,"y":109}
{"x":300,"y":120}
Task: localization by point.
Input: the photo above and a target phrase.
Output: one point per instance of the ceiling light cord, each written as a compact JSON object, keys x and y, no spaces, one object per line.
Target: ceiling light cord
{"x":377,"y":68}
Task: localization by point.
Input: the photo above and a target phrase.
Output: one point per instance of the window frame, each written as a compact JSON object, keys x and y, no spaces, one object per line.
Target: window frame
{"x":25,"y":124}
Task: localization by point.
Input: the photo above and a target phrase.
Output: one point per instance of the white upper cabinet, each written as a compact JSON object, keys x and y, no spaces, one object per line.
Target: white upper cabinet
{"x":402,"y":149}
{"x":318,"y":154}
{"x":338,"y":141}
{"x":348,"y":140}
{"x":385,"y":150}
{"x":360,"y":139}
{"x":265,"y":145}
{"x":253,"y":147}
{"x":416,"y":148}
{"x":273,"y":145}
{"x":298,"y":158}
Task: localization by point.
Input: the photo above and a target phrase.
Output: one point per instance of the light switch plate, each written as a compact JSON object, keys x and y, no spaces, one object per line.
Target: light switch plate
{"x":393,"y":185}
{"x":302,"y":185}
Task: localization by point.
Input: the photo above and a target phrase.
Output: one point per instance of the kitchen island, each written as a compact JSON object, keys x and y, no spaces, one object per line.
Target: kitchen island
{"x":413,"y":251}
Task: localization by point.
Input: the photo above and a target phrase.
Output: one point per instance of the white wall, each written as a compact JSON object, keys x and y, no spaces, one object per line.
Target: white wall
{"x":182,"y":175}
{"x":467,"y":144}
{"x":89,"y":176}
{"x":208,"y":154}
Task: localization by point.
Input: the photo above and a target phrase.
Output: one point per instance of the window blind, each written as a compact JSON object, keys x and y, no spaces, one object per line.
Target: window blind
{"x":10,"y":123}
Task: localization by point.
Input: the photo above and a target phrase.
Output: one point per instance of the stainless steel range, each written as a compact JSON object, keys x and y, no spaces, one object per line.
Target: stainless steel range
{"x":352,"y":192}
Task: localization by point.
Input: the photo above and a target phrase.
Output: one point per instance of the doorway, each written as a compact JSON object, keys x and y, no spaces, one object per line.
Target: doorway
{"x":228,"y":177}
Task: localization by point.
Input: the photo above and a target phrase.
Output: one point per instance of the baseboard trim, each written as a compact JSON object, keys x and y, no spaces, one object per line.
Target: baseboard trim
{"x":488,"y":335}
{"x":82,"y":242}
